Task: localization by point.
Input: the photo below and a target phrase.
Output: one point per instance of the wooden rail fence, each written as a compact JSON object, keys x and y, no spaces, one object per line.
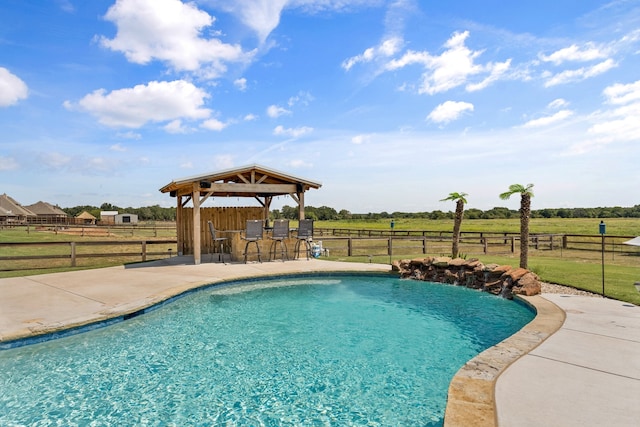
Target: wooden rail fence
{"x":335,"y":242}
{"x":140,"y":249}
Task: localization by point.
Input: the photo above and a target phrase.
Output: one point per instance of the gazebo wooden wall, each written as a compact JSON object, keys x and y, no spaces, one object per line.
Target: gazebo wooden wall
{"x":225,"y":220}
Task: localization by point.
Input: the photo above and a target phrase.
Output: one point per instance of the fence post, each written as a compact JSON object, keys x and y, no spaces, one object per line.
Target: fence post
{"x":390,"y":246}
{"x":513,"y":245}
{"x":144,"y":251}
{"x":349,"y":246}
{"x":73,"y":254}
{"x":485,"y":242}
{"x":424,"y":244}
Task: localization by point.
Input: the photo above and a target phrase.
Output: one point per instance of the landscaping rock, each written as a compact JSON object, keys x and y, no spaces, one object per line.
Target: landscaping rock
{"x":502,"y":280}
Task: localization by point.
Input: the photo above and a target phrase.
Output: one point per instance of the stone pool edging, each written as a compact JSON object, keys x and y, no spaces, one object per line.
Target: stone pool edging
{"x":471,"y":395}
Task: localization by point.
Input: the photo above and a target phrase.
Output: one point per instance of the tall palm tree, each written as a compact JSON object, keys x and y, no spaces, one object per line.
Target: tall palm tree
{"x":526,"y":193}
{"x":460,"y":200}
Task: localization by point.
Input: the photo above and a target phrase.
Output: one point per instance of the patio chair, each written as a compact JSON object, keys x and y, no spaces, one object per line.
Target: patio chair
{"x":217,"y":243}
{"x":305,"y":234}
{"x":279,"y":234}
{"x":253,"y":234}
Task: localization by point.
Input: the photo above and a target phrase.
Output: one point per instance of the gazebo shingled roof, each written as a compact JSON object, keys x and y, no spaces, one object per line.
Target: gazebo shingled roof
{"x":254,"y":180}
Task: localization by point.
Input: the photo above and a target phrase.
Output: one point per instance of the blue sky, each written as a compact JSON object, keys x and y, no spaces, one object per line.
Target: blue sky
{"x":391,"y":105}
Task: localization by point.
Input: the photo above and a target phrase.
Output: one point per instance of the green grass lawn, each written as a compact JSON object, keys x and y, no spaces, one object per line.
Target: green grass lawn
{"x":615,"y":226}
{"x":579,"y":269}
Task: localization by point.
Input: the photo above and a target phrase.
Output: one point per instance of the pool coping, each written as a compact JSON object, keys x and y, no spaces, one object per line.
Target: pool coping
{"x":471,"y":396}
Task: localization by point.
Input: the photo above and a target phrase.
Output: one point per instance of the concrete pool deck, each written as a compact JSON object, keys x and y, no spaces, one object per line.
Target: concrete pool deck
{"x":576,"y":364}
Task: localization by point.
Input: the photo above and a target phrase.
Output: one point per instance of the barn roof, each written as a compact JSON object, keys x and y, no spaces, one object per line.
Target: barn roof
{"x":85,"y":215}
{"x":246,"y":181}
{"x":44,"y":208}
{"x":12,"y":207}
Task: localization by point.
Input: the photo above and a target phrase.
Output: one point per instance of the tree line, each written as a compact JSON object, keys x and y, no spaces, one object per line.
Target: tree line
{"x":147,"y":213}
{"x":325,"y":213}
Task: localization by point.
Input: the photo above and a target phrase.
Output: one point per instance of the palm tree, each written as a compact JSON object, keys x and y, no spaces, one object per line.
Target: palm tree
{"x":526,"y":194}
{"x":460,"y":200}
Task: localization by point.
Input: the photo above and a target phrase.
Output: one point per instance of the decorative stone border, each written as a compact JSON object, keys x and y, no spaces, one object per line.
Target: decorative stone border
{"x":471,"y":397}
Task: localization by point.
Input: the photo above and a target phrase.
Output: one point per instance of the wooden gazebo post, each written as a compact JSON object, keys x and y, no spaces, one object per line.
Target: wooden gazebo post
{"x":301,"y":204}
{"x":197,"y":251}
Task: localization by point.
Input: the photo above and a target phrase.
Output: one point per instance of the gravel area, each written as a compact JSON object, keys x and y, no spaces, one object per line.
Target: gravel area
{"x":550,"y":288}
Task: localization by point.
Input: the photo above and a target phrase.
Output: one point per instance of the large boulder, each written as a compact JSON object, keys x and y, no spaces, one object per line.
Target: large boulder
{"x":529,"y":284}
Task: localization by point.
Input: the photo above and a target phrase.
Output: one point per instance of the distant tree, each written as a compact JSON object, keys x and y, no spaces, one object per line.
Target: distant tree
{"x":526,"y":193}
{"x":437,"y":214}
{"x":289,"y":212}
{"x":344,"y":214}
{"x":460,"y":199}
{"x":498,"y":213}
{"x":547,"y":213}
{"x":109,"y":207}
{"x":275,"y":214}
{"x":473,"y":213}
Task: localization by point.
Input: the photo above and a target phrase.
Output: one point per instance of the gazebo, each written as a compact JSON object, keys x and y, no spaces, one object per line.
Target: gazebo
{"x":255,"y":181}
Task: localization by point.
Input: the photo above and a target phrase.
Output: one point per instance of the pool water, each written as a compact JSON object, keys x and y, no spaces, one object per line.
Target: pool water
{"x":306,"y":351}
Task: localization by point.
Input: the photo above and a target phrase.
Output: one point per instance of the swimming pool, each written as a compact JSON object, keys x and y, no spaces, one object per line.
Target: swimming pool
{"x":314,"y":350}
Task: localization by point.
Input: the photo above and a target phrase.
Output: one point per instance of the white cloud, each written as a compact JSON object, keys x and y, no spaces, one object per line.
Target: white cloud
{"x":589,"y":52}
{"x":129,"y":135}
{"x":496,"y":71}
{"x":454,"y":67}
{"x":223,"y":161}
{"x":580,"y":74}
{"x":250,"y":117}
{"x":169,"y":31}
{"x":275,"y":111}
{"x":387,"y":48}
{"x":263,"y":16}
{"x":449,"y":111}
{"x":241,"y":84}
{"x":118,"y":147}
{"x":360,"y":139}
{"x":621,"y":123}
{"x":623,"y":93}
{"x":55,"y":160}
{"x":302,"y":97}
{"x":175,"y":126}
{"x":557,"y":103}
{"x":8,"y":163}
{"x":548,"y":120}
{"x":299,"y":163}
{"x":214,"y":124}
{"x":292,"y":132}
{"x":12,"y":88}
{"x":66,"y":6}
{"x":154,"y":102}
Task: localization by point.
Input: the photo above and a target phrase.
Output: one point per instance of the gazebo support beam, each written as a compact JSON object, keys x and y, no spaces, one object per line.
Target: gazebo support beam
{"x":179,"y":220}
{"x":197,"y":250}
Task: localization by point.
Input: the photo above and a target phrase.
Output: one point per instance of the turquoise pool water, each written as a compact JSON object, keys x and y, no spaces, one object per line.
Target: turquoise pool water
{"x":306,"y":351}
